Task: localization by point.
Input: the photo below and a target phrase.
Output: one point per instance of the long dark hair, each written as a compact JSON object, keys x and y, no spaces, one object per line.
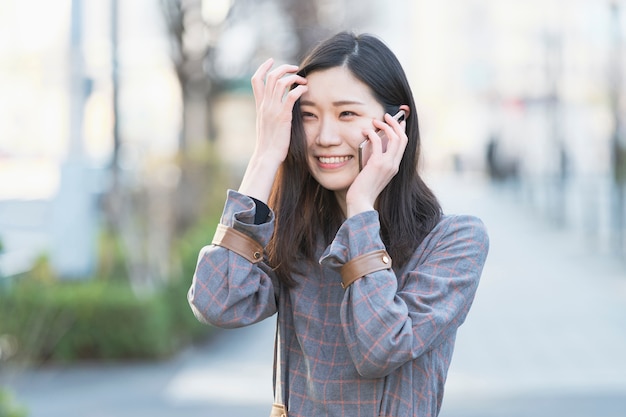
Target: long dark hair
{"x":306,"y":212}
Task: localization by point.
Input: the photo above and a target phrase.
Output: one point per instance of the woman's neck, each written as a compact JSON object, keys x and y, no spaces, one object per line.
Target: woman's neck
{"x":341,"y":200}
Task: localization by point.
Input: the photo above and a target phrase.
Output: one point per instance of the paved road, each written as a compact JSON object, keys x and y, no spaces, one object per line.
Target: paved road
{"x":546,"y":337}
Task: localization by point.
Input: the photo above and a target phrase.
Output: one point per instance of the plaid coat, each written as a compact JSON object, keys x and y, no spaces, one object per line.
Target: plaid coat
{"x":383,"y":346}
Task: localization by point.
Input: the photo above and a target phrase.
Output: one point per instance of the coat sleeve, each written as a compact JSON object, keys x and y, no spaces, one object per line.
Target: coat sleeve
{"x":391,"y":319}
{"x":227,"y":290}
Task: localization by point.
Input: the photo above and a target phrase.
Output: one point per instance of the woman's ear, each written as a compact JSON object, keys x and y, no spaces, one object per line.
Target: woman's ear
{"x":406,"y":109}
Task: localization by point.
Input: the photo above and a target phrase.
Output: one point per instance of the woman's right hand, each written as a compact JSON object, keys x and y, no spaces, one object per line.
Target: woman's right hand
{"x":274,"y":99}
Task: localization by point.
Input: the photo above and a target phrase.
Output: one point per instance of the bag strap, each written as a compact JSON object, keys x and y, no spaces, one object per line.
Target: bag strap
{"x":278,"y":390}
{"x":279,"y":409}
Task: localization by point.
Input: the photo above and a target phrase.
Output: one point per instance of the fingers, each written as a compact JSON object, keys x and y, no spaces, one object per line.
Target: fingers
{"x":396,"y":140}
{"x":258,"y":80}
{"x":280,"y":79}
{"x":274,"y":84}
{"x":294,"y":95}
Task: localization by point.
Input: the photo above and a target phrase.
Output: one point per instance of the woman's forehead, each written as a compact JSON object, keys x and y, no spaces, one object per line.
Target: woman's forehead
{"x":336,"y":85}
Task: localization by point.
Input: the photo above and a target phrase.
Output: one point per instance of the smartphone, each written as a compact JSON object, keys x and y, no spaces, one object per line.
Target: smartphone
{"x":364,"y":149}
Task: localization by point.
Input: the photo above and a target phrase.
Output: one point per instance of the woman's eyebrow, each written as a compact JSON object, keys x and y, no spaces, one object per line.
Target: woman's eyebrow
{"x":337,"y":103}
{"x":348,"y":103}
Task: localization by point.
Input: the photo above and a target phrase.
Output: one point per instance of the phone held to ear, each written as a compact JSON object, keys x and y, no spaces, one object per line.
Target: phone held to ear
{"x":365,"y":150}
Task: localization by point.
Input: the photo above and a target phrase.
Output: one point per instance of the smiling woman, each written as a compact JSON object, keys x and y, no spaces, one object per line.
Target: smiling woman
{"x":337,"y":110}
{"x":369,"y":278}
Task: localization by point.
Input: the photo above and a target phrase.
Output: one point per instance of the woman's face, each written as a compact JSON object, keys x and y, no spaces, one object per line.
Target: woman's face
{"x":336,"y":110}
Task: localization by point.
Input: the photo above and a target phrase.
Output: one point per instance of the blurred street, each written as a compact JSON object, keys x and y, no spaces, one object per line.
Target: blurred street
{"x":546,"y":337}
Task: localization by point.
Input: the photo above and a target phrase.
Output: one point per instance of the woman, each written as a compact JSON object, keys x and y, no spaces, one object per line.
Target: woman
{"x":370,"y":280}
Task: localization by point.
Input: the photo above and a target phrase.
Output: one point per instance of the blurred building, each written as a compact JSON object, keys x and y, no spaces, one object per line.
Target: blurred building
{"x":531,"y":92}
{"x":56,"y":121}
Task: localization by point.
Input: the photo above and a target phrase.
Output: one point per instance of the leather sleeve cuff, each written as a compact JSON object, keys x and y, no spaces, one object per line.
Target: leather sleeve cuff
{"x":238,"y":242}
{"x":364,"y":264}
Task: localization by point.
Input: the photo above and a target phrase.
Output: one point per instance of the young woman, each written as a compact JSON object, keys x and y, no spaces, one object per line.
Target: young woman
{"x":369,"y":279}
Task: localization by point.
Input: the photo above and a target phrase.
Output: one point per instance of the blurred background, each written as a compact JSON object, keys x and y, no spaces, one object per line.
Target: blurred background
{"x":122,"y":125}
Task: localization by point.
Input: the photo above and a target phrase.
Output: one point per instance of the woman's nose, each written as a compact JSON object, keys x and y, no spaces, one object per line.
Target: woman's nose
{"x":328,"y":134}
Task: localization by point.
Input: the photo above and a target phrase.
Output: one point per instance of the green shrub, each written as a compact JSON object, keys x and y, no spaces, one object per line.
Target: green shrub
{"x":7,"y":406}
{"x":85,"y":320}
{"x":101,"y":317}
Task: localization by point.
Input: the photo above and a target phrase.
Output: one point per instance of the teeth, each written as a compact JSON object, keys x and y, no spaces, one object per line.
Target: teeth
{"x":333,"y":159}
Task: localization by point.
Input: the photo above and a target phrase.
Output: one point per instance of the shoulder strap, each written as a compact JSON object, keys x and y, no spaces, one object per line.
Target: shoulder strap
{"x":278,"y":408}
{"x":278,"y":391}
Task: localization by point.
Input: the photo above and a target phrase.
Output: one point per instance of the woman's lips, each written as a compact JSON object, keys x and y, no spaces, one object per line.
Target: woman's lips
{"x":333,"y":160}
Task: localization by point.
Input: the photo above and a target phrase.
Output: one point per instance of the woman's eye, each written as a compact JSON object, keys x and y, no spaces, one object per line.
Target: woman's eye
{"x":307,"y":115}
{"x":347,"y":113}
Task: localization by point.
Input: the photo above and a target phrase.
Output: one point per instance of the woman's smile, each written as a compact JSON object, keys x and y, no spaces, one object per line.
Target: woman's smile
{"x":333,"y":162}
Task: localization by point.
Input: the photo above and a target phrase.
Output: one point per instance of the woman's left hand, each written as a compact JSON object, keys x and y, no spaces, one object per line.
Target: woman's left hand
{"x":381,"y":167}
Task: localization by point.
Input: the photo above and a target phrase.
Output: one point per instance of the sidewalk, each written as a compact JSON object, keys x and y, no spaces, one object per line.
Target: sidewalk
{"x":229,"y":375}
{"x":546,"y":337}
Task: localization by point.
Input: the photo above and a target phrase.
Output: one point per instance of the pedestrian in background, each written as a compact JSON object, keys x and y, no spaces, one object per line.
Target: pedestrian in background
{"x":333,"y":228}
